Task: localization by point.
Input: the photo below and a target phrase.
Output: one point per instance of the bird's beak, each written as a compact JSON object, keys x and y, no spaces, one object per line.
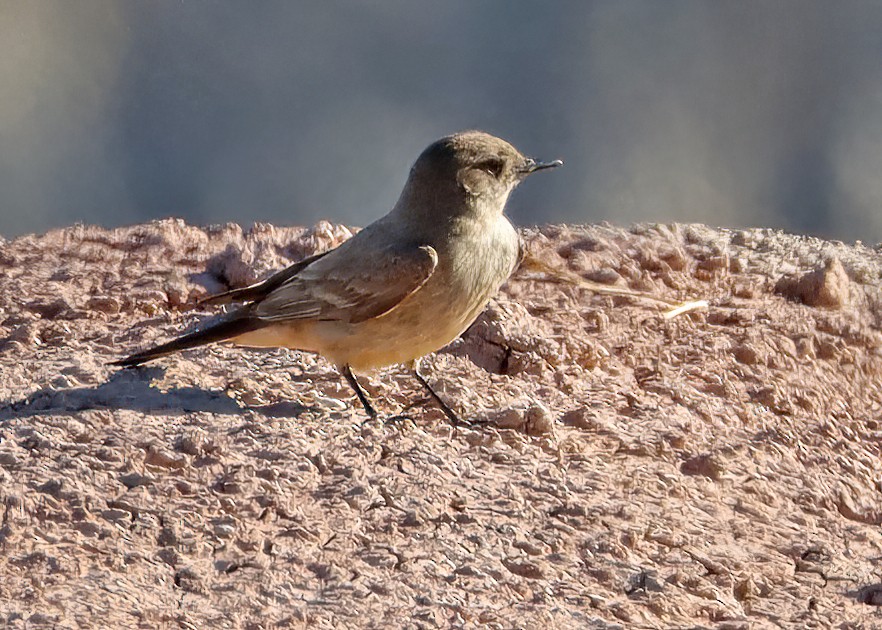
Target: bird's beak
{"x":531,"y":166}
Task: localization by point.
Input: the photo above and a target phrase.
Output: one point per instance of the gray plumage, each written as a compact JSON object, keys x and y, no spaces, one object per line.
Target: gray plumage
{"x":404,"y":286}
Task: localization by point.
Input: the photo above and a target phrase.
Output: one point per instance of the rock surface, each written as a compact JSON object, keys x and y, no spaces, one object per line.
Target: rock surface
{"x":720,"y":469}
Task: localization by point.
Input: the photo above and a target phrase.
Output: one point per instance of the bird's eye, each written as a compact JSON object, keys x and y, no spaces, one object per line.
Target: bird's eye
{"x":493,"y":166}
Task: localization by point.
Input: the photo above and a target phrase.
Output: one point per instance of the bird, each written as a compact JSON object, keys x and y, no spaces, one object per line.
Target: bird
{"x":404,"y":286}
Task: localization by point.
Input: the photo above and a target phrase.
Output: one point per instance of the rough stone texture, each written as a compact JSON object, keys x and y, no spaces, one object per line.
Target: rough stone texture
{"x":721,"y":469}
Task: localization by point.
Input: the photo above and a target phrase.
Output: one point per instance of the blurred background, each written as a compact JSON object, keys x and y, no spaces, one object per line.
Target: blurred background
{"x":748,"y":113}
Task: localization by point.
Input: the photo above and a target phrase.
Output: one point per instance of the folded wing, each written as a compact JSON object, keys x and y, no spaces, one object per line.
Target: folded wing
{"x":260,"y":290}
{"x":352,"y":285}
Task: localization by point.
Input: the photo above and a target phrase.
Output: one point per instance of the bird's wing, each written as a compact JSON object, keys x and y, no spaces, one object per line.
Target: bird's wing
{"x":260,"y":290}
{"x":352,"y":285}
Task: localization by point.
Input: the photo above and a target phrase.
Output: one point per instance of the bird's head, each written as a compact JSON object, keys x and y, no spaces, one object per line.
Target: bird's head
{"x":467,"y":173}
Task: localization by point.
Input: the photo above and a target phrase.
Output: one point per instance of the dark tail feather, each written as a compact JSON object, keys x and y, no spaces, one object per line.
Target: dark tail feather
{"x":245,"y":294}
{"x":258,"y":291}
{"x":220,"y":331}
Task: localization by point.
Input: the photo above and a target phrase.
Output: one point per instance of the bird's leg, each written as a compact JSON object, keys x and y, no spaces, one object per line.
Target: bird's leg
{"x":362,"y":397}
{"x":451,"y":415}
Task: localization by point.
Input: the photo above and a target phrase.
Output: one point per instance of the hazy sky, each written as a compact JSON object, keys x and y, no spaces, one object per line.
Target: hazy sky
{"x":731,"y":113}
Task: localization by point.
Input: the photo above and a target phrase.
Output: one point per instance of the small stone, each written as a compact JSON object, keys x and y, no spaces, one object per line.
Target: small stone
{"x":644,"y":581}
{"x":582,"y":418}
{"x":49,"y":309}
{"x":103,"y":304}
{"x":745,"y":589}
{"x":168,"y":537}
{"x":412,"y":519}
{"x":829,"y":287}
{"x":538,"y":420}
{"x":53,"y":487}
{"x":746,"y":354}
{"x":42,"y":620}
{"x":87,"y":528}
{"x":191,"y":443}
{"x":133,"y":480}
{"x":706,"y":465}
{"x":115,"y":515}
{"x":870,"y":595}
{"x":8,"y":460}
{"x":162,"y":459}
{"x":223,"y":528}
{"x":605,"y":275}
{"x":26,"y":335}
{"x":524,"y":568}
{"x":528,"y":547}
{"x":189,"y":580}
{"x":509,"y":419}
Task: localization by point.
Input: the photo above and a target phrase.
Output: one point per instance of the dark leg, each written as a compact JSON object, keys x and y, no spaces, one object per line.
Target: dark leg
{"x":451,"y":415}
{"x":368,"y":407}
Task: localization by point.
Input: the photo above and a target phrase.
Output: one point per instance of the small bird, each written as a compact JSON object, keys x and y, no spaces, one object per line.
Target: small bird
{"x":404,"y":286}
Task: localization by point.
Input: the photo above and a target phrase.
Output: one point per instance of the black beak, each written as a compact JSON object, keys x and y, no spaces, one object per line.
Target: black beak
{"x":531,"y":166}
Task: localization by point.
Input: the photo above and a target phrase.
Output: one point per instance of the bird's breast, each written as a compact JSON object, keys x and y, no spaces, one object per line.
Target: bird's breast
{"x":470,"y":271}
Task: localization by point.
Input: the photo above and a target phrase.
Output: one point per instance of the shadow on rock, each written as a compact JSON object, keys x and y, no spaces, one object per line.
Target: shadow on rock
{"x":126,"y":389}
